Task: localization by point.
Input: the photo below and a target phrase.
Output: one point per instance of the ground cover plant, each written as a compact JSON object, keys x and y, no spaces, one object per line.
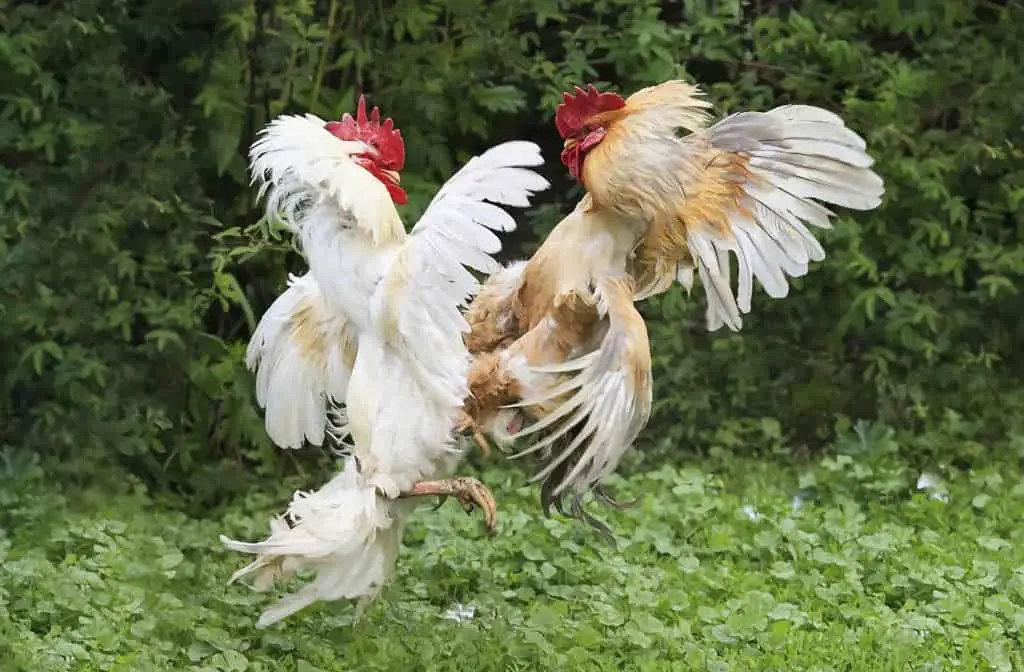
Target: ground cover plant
{"x":833,"y":563}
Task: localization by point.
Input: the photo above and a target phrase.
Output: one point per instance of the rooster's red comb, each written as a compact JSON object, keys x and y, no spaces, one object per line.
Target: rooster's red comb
{"x":577,"y":107}
{"x":384,"y":137}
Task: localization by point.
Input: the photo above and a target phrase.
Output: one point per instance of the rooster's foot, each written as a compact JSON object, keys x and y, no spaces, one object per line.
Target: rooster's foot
{"x":470,"y":492}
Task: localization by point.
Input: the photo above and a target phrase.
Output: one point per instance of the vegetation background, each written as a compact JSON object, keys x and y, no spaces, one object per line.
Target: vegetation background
{"x":134,"y":266}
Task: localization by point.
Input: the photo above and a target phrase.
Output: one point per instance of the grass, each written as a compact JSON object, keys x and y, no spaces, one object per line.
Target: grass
{"x":729,"y":563}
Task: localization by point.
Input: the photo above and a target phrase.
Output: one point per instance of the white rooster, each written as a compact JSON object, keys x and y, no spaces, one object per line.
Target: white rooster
{"x":375,"y":325}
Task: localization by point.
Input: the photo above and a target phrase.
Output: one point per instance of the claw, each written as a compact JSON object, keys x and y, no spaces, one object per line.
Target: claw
{"x":485,"y":447}
{"x":469,"y":424}
{"x":470,"y":492}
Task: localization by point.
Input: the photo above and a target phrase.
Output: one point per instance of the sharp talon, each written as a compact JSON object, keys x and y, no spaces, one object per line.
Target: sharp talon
{"x":441,"y":499}
{"x":470,"y":492}
{"x":485,"y":447}
{"x":478,"y":494}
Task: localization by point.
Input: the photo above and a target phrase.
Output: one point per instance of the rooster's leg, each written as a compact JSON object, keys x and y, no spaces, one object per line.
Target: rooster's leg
{"x":470,"y":492}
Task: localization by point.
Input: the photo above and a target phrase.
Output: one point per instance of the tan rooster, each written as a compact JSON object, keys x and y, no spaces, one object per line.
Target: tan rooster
{"x":558,"y":338}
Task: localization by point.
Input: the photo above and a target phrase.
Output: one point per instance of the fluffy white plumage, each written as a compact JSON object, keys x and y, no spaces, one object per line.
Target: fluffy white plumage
{"x":316,"y":375}
{"x":375,"y":325}
{"x":328,"y":534}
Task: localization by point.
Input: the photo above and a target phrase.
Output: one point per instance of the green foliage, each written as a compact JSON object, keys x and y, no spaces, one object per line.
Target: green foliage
{"x":111,"y":341}
{"x":716,"y":569}
{"x":912,"y":312}
{"x":135,"y":263}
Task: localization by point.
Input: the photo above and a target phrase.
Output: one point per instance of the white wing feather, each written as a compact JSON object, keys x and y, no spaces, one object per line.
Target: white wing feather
{"x":302,"y":352}
{"x":432,"y":280}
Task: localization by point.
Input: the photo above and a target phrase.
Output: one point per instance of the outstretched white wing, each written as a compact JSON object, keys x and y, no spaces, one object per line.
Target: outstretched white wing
{"x":431,"y":280}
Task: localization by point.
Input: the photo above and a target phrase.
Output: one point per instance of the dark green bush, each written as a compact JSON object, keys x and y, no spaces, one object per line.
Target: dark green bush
{"x":134,"y":265}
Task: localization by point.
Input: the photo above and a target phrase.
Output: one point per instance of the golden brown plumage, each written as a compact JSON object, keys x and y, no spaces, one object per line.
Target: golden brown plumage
{"x":569,"y":307}
{"x":693,"y":193}
{"x":668,"y":196}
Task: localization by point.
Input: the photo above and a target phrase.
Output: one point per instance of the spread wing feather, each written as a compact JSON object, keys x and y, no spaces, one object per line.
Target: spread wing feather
{"x":794,"y":156}
{"x":432,"y":278}
{"x":302,"y":352}
{"x":610,"y":402}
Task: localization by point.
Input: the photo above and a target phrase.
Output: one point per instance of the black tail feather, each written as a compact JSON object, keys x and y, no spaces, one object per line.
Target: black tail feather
{"x":576,"y":509}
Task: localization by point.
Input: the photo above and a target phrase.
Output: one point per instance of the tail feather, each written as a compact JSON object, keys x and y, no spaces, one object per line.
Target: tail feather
{"x":345,"y":532}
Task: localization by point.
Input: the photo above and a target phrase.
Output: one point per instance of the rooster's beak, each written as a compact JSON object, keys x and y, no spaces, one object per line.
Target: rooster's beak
{"x":568,"y":144}
{"x":393,"y":176}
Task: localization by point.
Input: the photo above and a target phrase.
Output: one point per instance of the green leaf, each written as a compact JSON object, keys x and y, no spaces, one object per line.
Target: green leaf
{"x":993,"y":543}
{"x":171,"y":559}
{"x":224,"y":140}
{"x":163,"y":337}
{"x":502,"y":98}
